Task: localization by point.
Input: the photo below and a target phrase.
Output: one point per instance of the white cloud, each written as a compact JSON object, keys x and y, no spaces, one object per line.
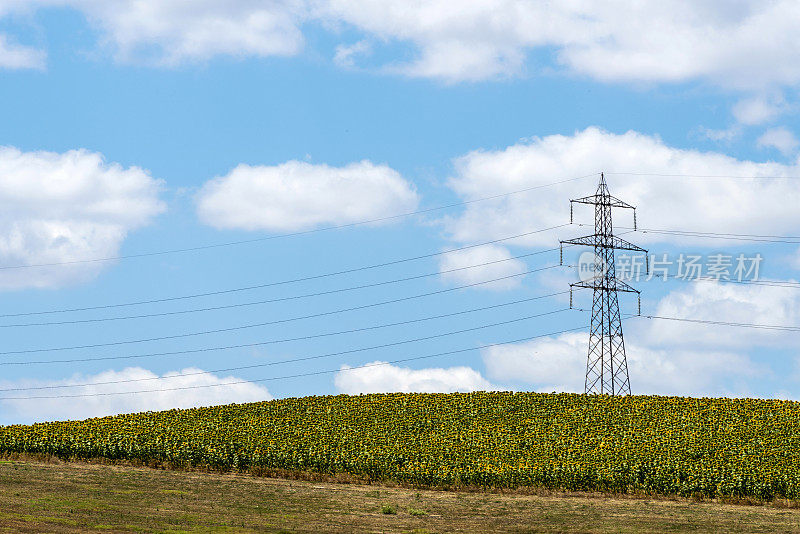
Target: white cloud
{"x":456,"y":61}
{"x":98,"y":406}
{"x":758,"y":110}
{"x":781,"y":139}
{"x":667,"y":357}
{"x":381,"y":377}
{"x":67,"y":207}
{"x":15,"y":56}
{"x":552,"y":364}
{"x":668,"y":41}
{"x":559,"y":364}
{"x":721,"y":136}
{"x":299,"y":195}
{"x":556,"y":280}
{"x":477,"y":40}
{"x":784,"y":394}
{"x":748,"y":44}
{"x":712,"y":301}
{"x":675,"y":203}
{"x":462,"y":259}
{"x":346,"y":54}
{"x":174,"y":31}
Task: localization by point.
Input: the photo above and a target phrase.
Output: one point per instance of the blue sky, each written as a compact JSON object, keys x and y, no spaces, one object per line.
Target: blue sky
{"x":131,"y":128}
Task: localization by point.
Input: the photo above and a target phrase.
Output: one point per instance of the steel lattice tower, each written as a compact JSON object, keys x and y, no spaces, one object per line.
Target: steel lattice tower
{"x":606,"y":364}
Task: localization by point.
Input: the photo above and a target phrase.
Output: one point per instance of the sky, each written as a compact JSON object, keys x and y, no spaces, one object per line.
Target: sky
{"x":215,"y":202}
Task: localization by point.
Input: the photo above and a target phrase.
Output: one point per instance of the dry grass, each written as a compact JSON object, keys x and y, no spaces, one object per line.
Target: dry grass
{"x":36,"y":496}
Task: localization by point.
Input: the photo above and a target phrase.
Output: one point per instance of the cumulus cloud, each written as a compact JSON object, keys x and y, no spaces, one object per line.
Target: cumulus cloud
{"x":758,"y":110}
{"x":24,"y":411}
{"x":551,"y":364}
{"x":667,"y":357}
{"x":750,"y":111}
{"x":616,"y":40}
{"x":714,"y":301}
{"x":725,"y":135}
{"x":67,"y":207}
{"x":346,"y":54}
{"x":15,"y":56}
{"x":175,"y":31}
{"x":673,"y":203}
{"x":559,"y":364}
{"x":381,"y":377}
{"x":454,"y":267}
{"x":298,"y":195}
{"x":781,"y":139}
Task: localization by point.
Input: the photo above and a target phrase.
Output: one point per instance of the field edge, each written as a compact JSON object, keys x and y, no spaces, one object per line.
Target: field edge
{"x":348,"y":479}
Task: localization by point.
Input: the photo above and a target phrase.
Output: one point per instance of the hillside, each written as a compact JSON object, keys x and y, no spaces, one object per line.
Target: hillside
{"x":77,"y":497}
{"x":667,"y":445}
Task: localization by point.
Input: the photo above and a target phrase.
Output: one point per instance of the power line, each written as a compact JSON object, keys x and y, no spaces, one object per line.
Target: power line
{"x":299,"y":375}
{"x":285,"y":361}
{"x":357,"y":269}
{"x":726,"y":323}
{"x":294,"y":360}
{"x":261,"y":343}
{"x":753,"y":177}
{"x":771,"y":283}
{"x":789,"y":284}
{"x":240,"y":327}
{"x":284,"y":282}
{"x":733,"y":237}
{"x":788,"y":328}
{"x":293,"y":234}
{"x":716,"y":235}
{"x":267,"y":301}
{"x":368,"y":221}
{"x":726,"y":234}
{"x":277,"y":299}
{"x":520,"y":340}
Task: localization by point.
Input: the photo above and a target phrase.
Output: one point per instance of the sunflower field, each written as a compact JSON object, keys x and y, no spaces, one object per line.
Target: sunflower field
{"x":643,"y":444}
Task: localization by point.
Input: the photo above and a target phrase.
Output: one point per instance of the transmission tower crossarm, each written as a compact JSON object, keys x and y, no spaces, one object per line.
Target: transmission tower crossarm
{"x":604,"y":200}
{"x":603,"y":241}
{"x":605,"y":285}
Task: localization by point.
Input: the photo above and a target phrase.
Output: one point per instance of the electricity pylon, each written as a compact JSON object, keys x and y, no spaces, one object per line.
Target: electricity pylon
{"x":606,"y":364}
